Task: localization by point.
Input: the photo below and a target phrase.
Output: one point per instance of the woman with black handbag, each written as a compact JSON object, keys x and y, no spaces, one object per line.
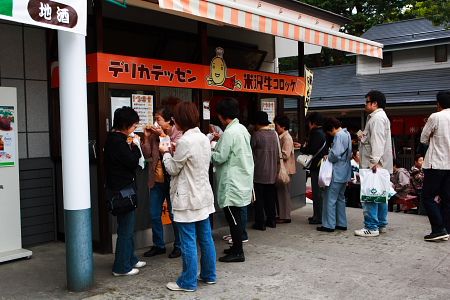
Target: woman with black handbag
{"x":122,"y":156}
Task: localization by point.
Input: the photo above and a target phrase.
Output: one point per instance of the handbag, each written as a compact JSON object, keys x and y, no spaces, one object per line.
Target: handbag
{"x":283,"y":177}
{"x":305,"y":160}
{"x":123,"y":201}
{"x":325,"y":173}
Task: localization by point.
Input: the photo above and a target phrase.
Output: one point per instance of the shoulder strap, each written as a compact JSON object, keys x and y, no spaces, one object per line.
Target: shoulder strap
{"x":324,"y":143}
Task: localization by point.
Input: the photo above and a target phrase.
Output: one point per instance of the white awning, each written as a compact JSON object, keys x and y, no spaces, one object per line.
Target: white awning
{"x":257,"y":19}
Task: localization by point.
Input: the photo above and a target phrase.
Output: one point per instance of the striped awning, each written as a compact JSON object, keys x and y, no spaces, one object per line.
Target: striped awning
{"x":232,"y":13}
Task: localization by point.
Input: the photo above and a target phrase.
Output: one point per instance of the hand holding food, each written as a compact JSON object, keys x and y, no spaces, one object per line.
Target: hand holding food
{"x":163,"y":147}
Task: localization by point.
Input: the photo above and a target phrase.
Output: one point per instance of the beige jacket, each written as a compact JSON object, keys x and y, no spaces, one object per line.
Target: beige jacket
{"x":287,"y":151}
{"x":376,"y":146}
{"x":436,"y":133}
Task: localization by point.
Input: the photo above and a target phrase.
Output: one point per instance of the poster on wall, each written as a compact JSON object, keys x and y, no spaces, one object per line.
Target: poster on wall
{"x":206,"y":110}
{"x":143,"y":105}
{"x":268,"y":105}
{"x":309,"y":78}
{"x":7,"y":136}
{"x":118,"y":102}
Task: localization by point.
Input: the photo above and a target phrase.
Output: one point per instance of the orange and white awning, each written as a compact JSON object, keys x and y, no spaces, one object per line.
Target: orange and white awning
{"x":233,"y":13}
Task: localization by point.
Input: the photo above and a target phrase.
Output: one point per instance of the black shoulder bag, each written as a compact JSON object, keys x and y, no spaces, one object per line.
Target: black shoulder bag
{"x":123,"y":201}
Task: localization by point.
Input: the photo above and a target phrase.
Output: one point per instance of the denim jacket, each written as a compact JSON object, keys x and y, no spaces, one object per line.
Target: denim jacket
{"x":340,"y":155}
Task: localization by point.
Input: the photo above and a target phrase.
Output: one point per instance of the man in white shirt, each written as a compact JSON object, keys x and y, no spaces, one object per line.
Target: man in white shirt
{"x":436,"y":166}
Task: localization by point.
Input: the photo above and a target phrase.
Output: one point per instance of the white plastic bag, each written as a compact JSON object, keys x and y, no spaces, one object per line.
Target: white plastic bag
{"x":325,"y":173}
{"x":375,"y":186}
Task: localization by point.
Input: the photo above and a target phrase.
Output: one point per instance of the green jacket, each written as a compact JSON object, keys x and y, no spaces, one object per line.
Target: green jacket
{"x":233,"y":161}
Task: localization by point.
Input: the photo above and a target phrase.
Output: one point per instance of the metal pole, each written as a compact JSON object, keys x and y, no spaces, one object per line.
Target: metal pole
{"x":75,"y":161}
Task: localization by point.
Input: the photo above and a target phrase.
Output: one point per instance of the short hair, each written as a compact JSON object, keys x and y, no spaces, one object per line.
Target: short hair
{"x":228,"y":108}
{"x":283,"y":121}
{"x":417,"y":156}
{"x":443,"y":98}
{"x":315,"y":118}
{"x":354,"y":151}
{"x":330,"y":123}
{"x":186,"y":115}
{"x":396,"y":163}
{"x":166,"y":113}
{"x":124,"y":118}
{"x":377,"y":96}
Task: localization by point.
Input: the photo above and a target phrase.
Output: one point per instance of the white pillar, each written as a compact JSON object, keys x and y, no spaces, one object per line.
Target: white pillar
{"x":75,"y":160}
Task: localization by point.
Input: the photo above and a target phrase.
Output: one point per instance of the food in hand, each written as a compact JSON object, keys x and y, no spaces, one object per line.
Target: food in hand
{"x":163,"y":135}
{"x":130,"y":140}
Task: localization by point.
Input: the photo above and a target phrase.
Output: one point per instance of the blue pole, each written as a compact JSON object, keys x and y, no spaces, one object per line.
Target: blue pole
{"x":79,"y":259}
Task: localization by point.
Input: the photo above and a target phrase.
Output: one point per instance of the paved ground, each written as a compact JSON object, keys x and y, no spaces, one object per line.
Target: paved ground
{"x":292,"y":261}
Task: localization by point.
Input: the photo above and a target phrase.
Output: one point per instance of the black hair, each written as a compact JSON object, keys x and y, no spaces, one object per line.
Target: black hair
{"x":377,"y":96}
{"x":417,"y":156}
{"x":124,"y":118}
{"x":228,"y":108}
{"x":330,"y":123}
{"x":166,"y":113}
{"x":283,"y":121}
{"x":397,"y":163}
{"x":315,"y":118}
{"x":443,"y":98}
{"x":354,"y":151}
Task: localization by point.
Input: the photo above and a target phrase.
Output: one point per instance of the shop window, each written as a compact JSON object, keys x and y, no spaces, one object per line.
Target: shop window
{"x":387,"y":60}
{"x":440,"y":53}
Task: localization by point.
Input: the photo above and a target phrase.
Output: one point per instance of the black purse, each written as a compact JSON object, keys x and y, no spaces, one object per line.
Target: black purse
{"x":123,"y":201}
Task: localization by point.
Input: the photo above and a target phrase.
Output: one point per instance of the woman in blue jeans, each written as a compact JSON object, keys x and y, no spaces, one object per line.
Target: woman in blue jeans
{"x":121,"y":160}
{"x":192,"y":198}
{"x":333,"y":211}
{"x":158,"y":181}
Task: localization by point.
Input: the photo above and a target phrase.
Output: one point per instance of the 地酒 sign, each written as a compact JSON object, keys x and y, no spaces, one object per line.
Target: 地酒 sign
{"x":68,"y":15}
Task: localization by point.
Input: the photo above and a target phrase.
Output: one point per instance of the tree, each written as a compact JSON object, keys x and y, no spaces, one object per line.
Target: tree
{"x":437,"y":11}
{"x":364,"y":15}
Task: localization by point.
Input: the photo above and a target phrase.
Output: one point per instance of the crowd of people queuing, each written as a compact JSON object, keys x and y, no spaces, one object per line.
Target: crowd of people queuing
{"x":246,"y":165}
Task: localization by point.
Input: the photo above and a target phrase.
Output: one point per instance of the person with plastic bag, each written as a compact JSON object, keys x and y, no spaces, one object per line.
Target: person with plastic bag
{"x":375,"y":148}
{"x":333,"y":211}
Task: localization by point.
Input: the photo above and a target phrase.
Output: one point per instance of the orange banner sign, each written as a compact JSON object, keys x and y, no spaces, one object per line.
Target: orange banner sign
{"x":111,"y":68}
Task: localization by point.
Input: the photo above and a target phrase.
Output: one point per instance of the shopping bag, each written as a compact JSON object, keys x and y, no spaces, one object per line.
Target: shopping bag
{"x":325,"y":173}
{"x":375,"y":186}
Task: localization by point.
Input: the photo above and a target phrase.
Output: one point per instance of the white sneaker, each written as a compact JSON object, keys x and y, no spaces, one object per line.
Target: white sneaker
{"x":140,"y":264}
{"x":367,"y":232}
{"x":226,"y":237}
{"x":132,"y":272}
{"x":173,"y":286}
{"x":230,"y":241}
{"x":382,"y":230}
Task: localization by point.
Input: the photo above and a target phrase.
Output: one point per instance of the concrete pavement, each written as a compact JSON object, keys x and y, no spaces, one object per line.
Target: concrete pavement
{"x":292,"y":261}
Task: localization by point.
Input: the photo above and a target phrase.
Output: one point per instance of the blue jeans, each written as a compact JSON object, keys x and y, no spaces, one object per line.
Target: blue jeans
{"x":125,"y":257}
{"x":375,"y":215}
{"x":157,"y":197}
{"x":437,"y":182}
{"x":190,"y":233}
{"x":333,"y":210}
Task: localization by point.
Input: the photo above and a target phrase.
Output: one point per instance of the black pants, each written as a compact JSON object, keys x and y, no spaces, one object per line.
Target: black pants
{"x":437,"y":182}
{"x":234,"y":220}
{"x":265,"y":204}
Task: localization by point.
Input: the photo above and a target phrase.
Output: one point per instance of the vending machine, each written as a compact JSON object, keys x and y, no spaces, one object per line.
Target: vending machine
{"x":10,"y":224}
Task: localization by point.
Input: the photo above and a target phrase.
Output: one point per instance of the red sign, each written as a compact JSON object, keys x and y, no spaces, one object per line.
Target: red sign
{"x":111,"y":68}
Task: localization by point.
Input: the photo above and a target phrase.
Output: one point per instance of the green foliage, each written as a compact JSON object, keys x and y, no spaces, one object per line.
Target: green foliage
{"x":437,"y":11}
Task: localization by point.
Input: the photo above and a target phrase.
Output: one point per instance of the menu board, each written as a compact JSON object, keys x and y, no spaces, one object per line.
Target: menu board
{"x":268,"y":106}
{"x":7,"y":136}
{"x":143,"y":105}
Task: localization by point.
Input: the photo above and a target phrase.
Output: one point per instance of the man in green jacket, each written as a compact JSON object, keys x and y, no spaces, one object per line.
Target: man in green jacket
{"x":233,"y":161}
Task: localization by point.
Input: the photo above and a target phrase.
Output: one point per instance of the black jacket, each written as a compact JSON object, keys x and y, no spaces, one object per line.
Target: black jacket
{"x":315,"y":142}
{"x":121,"y":161}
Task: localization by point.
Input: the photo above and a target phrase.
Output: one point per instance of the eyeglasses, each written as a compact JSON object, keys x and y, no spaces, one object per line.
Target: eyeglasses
{"x":369,"y":102}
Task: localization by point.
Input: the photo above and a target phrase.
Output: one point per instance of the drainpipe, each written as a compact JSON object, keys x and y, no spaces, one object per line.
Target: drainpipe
{"x":75,"y":161}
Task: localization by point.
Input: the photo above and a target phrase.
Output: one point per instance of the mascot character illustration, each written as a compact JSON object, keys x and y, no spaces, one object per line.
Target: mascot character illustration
{"x":219,"y":73}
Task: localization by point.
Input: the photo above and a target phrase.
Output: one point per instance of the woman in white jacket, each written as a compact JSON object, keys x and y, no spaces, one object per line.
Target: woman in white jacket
{"x":192,"y":198}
